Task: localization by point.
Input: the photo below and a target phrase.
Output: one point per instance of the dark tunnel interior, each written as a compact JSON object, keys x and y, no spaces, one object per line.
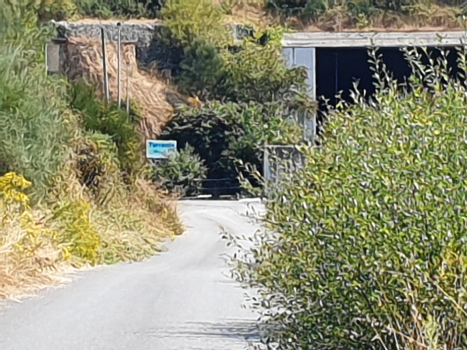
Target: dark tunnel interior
{"x":338,"y":68}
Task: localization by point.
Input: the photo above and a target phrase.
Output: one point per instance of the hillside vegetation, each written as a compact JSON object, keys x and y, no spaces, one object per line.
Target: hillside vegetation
{"x":329,"y":15}
{"x":76,"y":189}
{"x":250,"y":98}
{"x":73,"y":188}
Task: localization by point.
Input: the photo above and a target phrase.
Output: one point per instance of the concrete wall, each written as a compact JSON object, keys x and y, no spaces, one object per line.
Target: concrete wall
{"x":138,"y":33}
{"x":141,"y":34}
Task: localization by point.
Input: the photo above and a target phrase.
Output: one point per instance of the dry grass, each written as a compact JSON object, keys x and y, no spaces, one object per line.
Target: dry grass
{"x":134,"y":230}
{"x":84,"y":60}
{"x":421,"y":17}
{"x":26,"y":266}
{"x":251,"y":15}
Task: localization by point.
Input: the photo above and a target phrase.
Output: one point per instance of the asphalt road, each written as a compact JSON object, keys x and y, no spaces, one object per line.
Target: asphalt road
{"x":180,"y":299}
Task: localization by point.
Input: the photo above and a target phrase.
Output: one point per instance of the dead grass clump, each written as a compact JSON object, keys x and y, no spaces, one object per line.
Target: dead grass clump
{"x":84,"y":60}
{"x":134,"y":230}
{"x":23,"y":271}
{"x":337,"y":18}
{"x":250,"y":12}
{"x":420,"y":17}
{"x":30,"y":257}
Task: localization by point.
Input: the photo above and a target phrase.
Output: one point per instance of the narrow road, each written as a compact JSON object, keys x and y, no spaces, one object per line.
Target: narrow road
{"x":180,"y":299}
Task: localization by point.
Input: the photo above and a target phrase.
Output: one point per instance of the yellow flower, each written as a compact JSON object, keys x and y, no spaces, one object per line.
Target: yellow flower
{"x":66,"y":254}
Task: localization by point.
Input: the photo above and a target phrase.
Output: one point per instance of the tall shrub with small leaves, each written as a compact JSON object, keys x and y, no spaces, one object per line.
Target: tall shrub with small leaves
{"x":366,"y":246}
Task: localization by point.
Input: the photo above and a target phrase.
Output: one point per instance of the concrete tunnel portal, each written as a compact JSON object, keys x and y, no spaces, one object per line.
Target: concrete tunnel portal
{"x":335,"y":61}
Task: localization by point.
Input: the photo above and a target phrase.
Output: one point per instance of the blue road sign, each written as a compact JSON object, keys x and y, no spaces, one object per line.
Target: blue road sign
{"x":160,"y":149}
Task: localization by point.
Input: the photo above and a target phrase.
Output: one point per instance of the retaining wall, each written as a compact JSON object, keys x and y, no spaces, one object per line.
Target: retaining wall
{"x":142,"y":35}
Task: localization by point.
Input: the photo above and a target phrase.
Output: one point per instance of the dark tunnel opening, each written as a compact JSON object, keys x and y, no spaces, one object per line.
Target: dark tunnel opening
{"x":338,"y":68}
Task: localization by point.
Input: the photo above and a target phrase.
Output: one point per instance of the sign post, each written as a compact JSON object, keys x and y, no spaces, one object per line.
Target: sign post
{"x":157,"y":149}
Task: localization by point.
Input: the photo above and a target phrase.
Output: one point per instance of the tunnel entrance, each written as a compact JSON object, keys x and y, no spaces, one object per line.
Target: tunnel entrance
{"x":338,"y":68}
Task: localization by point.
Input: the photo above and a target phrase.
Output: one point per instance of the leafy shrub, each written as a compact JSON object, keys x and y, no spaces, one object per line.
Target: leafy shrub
{"x":56,"y":9}
{"x":182,"y":173}
{"x":201,"y":69}
{"x":258,"y":72}
{"x":253,"y":70}
{"x":365,"y":247}
{"x":190,"y":42}
{"x":224,"y":134}
{"x":119,"y":8}
{"x":363,"y":7}
{"x":192,"y":20}
{"x":34,"y":149}
{"x":77,"y":234}
{"x":112,"y":121}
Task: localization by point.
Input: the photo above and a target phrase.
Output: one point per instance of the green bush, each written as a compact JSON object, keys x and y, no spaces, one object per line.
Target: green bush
{"x":77,"y":234}
{"x":112,"y":121}
{"x":258,"y":72}
{"x":362,"y":7}
{"x":202,"y":68}
{"x":366,"y":246}
{"x":182,"y":173}
{"x":190,"y":44}
{"x":58,"y":10}
{"x":192,"y":20}
{"x":250,"y":72}
{"x":209,"y":64}
{"x":119,"y":8}
{"x":33,"y":136}
{"x":257,"y":92}
{"x":224,"y":134}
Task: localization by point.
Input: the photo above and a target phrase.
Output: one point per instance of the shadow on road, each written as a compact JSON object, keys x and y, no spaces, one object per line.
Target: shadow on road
{"x":235,"y":330}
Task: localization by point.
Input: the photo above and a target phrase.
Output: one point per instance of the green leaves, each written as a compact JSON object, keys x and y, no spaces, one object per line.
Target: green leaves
{"x":202,"y":67}
{"x":182,"y":173}
{"x":119,"y":8}
{"x":365,"y":248}
{"x":189,"y":20}
{"x":112,"y":121}
{"x":258,"y":73}
{"x":223,"y":134}
{"x":32,"y":112}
